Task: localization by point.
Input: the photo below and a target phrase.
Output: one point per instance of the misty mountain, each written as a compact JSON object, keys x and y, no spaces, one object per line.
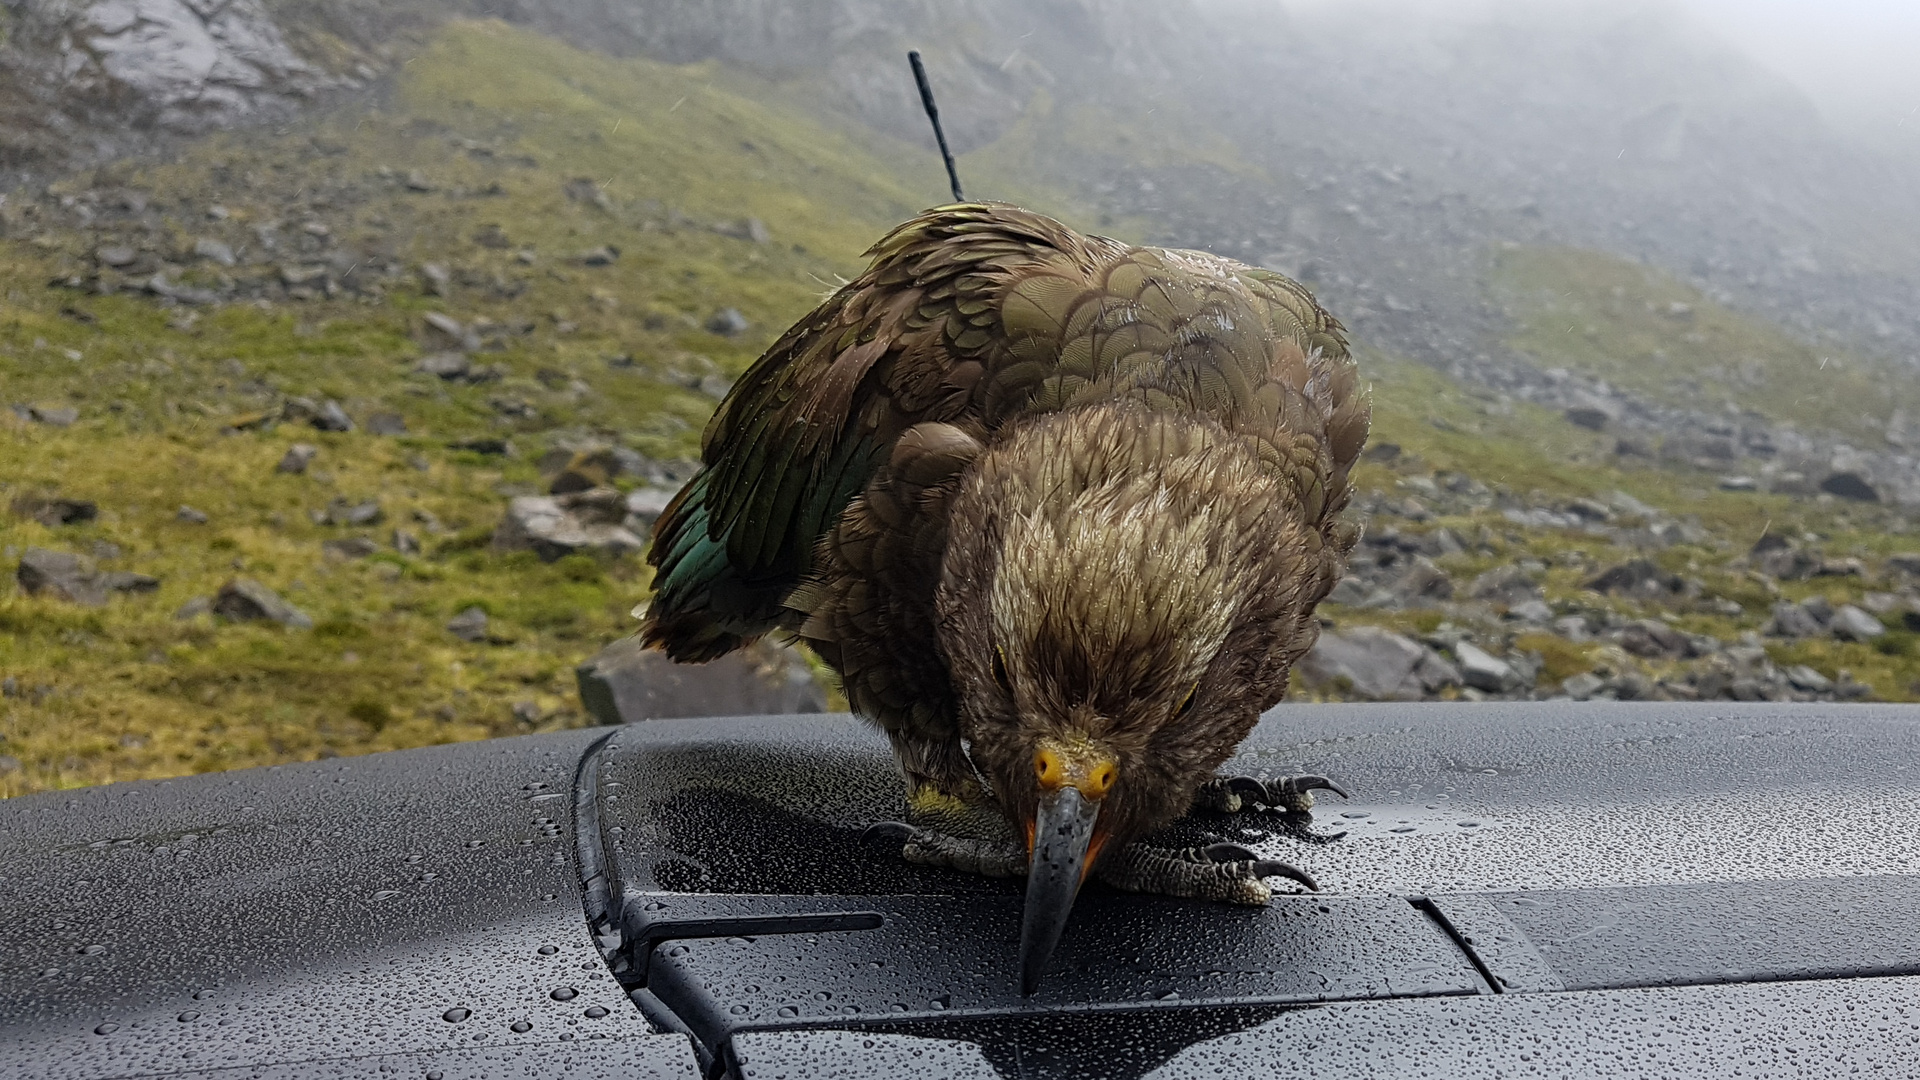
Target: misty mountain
{"x":1383,"y":154}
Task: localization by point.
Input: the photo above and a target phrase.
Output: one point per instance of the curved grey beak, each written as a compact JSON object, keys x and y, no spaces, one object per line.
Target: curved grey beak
{"x":1063,"y":828}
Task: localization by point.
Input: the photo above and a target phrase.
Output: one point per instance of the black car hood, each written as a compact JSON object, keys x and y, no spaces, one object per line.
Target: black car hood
{"x":1557,"y":888}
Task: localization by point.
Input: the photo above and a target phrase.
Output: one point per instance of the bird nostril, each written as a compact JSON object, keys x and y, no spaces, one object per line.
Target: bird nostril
{"x":1048,"y":766}
{"x":1101,"y":781}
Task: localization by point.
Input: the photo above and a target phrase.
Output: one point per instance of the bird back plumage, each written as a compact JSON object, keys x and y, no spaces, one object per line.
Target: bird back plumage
{"x":968,"y":318}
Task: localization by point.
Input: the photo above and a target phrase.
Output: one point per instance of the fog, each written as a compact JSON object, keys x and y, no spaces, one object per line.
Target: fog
{"x":1859,"y":60}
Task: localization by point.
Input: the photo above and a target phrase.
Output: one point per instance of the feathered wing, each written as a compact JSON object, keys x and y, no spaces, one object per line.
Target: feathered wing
{"x":918,"y":337}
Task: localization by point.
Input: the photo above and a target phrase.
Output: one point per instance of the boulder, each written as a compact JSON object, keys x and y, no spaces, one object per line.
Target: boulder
{"x":386,"y":423}
{"x":191,"y":515}
{"x":1793,"y":620}
{"x":554,"y":526}
{"x":469,"y":625}
{"x":1531,"y":611}
{"x":1583,"y":686}
{"x":62,"y":575}
{"x":246,"y":600}
{"x":352,"y":547}
{"x":727,"y":322}
{"x":1484,"y":671}
{"x":645,"y":505}
{"x":297,"y":458}
{"x":626,"y":684}
{"x":1507,"y":585}
{"x":1653,"y":640}
{"x":444,"y":365}
{"x":1636,"y":577}
{"x":1850,"y":485}
{"x":1802,"y":677}
{"x":331,"y":417}
{"x":1852,"y":624}
{"x":1421,"y":583}
{"x":1365,"y":662}
{"x":53,"y":415}
{"x":51,"y":511}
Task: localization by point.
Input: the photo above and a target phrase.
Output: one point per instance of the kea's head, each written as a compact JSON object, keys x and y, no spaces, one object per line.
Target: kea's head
{"x":1122,"y":594}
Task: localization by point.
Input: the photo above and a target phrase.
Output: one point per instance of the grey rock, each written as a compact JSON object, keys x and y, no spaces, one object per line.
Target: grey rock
{"x":386,"y":423}
{"x":297,"y":458}
{"x":1509,"y":585}
{"x":1850,"y":485}
{"x":1794,"y":621}
{"x":1852,"y":624}
{"x":727,"y":322}
{"x":194,"y":608}
{"x":129,"y":582}
{"x":351,"y":547}
{"x":52,"y":510}
{"x":1786,"y":563}
{"x":625,"y":684}
{"x":115,"y":255}
{"x":645,"y":505}
{"x":213,"y":251}
{"x":1739,"y":483}
{"x":1591,"y":417}
{"x":190,"y":515}
{"x":1653,"y":639}
{"x":445,"y":365}
{"x":1636,"y":577}
{"x":1365,"y":662}
{"x":1805,"y":678}
{"x":1582,"y":687}
{"x":484,"y":444}
{"x":1531,"y":611}
{"x":553,"y":526}
{"x":61,"y":575}
{"x":435,"y":279}
{"x":417,"y":181}
{"x":1905,"y":563}
{"x":331,"y":417}
{"x":604,"y":255}
{"x":714,"y":386}
{"x":9,"y":764}
{"x":1819,"y":607}
{"x":469,"y":625}
{"x":247,"y":600}
{"x":405,"y":542}
{"x":1351,"y":591}
{"x":1574,"y":628}
{"x":1422,"y":582}
{"x":53,"y":415}
{"x":446,"y":324}
{"x":341,"y":512}
{"x":1484,"y":671}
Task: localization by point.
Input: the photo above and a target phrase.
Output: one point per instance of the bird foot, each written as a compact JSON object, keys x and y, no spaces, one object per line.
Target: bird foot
{"x":1290,"y":796}
{"x":1224,"y":872}
{"x":968,"y":854}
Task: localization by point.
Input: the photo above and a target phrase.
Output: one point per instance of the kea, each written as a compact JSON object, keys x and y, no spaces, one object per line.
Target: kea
{"x":1058,"y":511}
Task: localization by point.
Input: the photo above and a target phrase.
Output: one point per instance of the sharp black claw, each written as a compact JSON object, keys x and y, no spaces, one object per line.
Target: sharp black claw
{"x":1223,"y":853}
{"x":898,"y":831}
{"x":1304,"y":784}
{"x":1265,"y":869}
{"x":1248,"y":788}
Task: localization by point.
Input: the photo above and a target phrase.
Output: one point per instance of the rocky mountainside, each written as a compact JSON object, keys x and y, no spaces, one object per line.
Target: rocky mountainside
{"x":1390,"y":147}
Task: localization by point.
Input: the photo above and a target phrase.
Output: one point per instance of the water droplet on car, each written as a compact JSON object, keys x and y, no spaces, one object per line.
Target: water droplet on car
{"x":564,"y":993}
{"x":519,"y":1027}
{"x":106,"y":1029}
{"x":595,"y":1013}
{"x":738,"y":1010}
{"x":476,"y":843}
{"x":789,"y":1012}
{"x":944,"y":1001}
{"x":94,"y":950}
{"x":1401,"y":829}
{"x":549,"y":950}
{"x":50,"y":973}
{"x":1469,"y":824}
{"x":454,"y":1016}
{"x":386,"y":894}
{"x":1355,"y":815}
{"x":189,"y":1016}
{"x":202,"y":995}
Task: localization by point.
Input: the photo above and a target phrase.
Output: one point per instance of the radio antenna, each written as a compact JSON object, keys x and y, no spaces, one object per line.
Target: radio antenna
{"x":933,"y":114}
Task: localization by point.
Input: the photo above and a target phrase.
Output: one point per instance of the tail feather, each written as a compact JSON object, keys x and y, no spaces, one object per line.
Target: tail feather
{"x":701,"y":608}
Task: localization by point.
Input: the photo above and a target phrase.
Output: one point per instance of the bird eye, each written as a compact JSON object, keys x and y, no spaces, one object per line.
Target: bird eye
{"x":1000,"y":670}
{"x":1187,"y":703}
